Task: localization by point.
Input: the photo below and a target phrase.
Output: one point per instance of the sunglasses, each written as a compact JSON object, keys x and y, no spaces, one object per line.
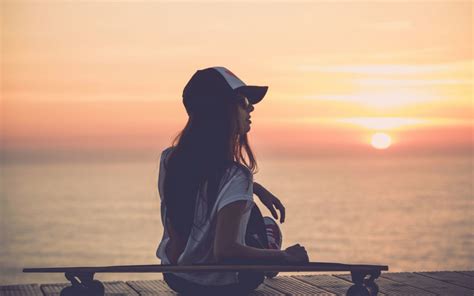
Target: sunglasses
{"x":243,"y":102}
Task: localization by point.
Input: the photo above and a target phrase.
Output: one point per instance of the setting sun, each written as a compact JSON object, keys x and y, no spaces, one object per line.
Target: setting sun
{"x":381,"y":141}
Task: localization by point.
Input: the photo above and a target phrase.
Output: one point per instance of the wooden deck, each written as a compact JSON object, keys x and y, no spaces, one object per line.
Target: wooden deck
{"x":404,"y":283}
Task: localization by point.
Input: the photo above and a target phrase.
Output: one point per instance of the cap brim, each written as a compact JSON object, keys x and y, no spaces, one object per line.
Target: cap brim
{"x":253,"y":93}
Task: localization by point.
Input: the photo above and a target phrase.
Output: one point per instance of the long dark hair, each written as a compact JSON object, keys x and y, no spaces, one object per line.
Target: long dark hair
{"x":207,"y":146}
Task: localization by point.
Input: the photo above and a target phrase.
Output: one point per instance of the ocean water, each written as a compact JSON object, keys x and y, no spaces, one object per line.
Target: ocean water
{"x":411,"y":213}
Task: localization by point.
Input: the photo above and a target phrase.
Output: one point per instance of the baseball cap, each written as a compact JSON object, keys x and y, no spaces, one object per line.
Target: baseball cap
{"x":211,"y":85}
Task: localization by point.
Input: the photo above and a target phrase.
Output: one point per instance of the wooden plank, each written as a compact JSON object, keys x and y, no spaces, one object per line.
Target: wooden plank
{"x":423,"y":283}
{"x":291,"y":286}
{"x":390,"y":287}
{"x":21,"y":290}
{"x":426,"y":283}
{"x":118,"y":288}
{"x":115,"y":288}
{"x":53,"y":289}
{"x":154,"y":287}
{"x":265,"y":290}
{"x":159,"y":287}
{"x":454,"y":278}
{"x":329,"y":283}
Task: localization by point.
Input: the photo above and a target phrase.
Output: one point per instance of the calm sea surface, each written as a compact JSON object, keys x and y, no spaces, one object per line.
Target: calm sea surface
{"x":413,"y":214}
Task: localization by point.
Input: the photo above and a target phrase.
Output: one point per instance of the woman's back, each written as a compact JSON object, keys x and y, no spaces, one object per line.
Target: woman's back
{"x":236,"y":184}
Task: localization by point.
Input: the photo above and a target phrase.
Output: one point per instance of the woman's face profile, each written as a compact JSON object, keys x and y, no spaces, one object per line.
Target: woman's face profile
{"x":244,"y":109}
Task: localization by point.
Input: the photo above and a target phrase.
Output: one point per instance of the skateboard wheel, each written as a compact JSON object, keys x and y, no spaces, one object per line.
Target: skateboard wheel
{"x":70,"y":291}
{"x":96,"y":288}
{"x":357,"y":291}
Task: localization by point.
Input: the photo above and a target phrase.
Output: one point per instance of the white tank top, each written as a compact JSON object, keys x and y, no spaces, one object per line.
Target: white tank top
{"x":235,"y":185}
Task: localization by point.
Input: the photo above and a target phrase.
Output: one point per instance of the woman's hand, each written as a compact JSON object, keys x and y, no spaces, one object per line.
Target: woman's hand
{"x":270,"y":201}
{"x":296,"y":254}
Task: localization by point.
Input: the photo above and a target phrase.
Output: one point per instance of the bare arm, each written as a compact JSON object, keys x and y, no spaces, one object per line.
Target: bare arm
{"x":257,"y":188}
{"x":270,"y":201}
{"x":226,"y":245}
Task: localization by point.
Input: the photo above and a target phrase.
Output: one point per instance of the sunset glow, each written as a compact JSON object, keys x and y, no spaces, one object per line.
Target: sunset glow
{"x":381,"y":141}
{"x":385,"y":123}
{"x":381,"y":99}
{"x":101,"y":76}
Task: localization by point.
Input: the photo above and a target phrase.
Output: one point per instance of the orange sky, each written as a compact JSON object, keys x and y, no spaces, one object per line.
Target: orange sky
{"x":109,"y":76}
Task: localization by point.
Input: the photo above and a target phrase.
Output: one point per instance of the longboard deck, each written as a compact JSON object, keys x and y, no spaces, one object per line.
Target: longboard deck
{"x":159,"y":268}
{"x":83,"y":283}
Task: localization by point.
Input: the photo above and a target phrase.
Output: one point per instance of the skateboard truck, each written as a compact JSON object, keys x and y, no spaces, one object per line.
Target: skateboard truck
{"x":82,"y":283}
{"x":363,"y":286}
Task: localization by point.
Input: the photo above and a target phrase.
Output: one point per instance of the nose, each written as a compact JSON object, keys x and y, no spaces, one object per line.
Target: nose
{"x":251,"y":108}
